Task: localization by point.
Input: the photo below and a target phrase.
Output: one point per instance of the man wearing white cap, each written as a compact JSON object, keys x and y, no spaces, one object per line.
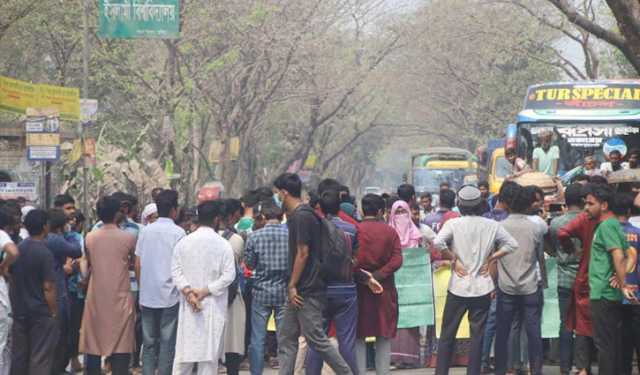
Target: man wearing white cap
{"x":473,"y":243}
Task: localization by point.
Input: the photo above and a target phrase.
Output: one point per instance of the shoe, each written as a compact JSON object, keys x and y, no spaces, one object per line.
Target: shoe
{"x":244,"y":365}
{"x":274,"y":364}
{"x":487,"y":370}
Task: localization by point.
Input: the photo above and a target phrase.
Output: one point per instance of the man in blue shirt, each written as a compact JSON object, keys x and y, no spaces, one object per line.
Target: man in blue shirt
{"x":159,"y":297}
{"x":62,"y":246}
{"x":266,"y":253}
{"x":623,"y":202}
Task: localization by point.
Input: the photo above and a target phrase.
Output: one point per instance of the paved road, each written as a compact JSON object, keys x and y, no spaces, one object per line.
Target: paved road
{"x":548,"y":370}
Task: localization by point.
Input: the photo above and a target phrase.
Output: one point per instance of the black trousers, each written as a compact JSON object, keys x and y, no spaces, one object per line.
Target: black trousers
{"x":34,"y":345}
{"x":584,"y":352}
{"x":454,"y":310}
{"x":630,"y":337}
{"x":119,"y":364}
{"x":77,"y":308}
{"x":606,"y":317}
{"x":63,"y":349}
{"x":232,"y":363}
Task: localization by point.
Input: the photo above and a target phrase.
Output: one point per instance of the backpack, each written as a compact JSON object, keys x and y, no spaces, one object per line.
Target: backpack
{"x":233,"y":287}
{"x":335,"y":253}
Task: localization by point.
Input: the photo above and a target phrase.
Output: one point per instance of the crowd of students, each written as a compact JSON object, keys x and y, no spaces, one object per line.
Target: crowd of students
{"x":191,"y":289}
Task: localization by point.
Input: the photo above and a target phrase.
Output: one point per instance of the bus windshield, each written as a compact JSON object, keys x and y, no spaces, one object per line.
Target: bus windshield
{"x":577,"y":140}
{"x":429,"y":180}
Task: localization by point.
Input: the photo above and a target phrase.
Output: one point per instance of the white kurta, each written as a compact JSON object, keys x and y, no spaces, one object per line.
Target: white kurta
{"x":202,"y":259}
{"x":236,"y":314}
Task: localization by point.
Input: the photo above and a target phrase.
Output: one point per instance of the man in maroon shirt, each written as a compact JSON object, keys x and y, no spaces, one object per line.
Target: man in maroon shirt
{"x":380,"y":254}
{"x":578,"y":316}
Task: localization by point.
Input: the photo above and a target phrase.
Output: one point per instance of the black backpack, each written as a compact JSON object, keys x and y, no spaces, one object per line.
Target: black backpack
{"x":233,"y":287}
{"x":335,"y":253}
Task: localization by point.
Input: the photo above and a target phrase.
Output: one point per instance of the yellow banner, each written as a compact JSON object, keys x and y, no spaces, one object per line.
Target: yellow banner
{"x":17,"y":96}
{"x":440,"y":285}
{"x":43,"y":139}
{"x":65,"y":99}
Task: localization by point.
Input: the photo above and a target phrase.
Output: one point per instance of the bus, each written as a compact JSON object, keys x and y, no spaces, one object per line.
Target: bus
{"x":586,"y":119}
{"x":436,"y":165}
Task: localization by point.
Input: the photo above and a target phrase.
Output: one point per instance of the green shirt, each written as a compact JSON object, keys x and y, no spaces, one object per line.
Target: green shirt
{"x":568,"y":264}
{"x":545,"y":159}
{"x":609,"y":235}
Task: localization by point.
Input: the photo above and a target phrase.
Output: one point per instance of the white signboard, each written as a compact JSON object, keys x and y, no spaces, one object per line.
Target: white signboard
{"x":14,"y":190}
{"x":44,"y":153}
{"x":88,"y":111}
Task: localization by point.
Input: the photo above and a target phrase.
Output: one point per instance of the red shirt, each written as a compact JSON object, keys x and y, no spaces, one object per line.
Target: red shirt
{"x":579,"y":312}
{"x":345,"y":217}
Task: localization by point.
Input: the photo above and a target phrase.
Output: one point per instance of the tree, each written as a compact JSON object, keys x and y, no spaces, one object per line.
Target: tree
{"x":627,"y":36}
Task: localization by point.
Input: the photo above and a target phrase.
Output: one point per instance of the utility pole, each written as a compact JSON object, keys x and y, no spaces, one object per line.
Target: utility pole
{"x":85,"y":94}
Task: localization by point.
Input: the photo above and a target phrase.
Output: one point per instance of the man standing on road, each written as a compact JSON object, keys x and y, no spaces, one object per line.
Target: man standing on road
{"x":567,"y":269}
{"x":62,"y":246}
{"x":35,"y":326}
{"x":607,"y":260}
{"x":444,"y":211}
{"x":426,"y":202}
{"x":519,"y":284}
{"x":474,"y":244}
{"x":342,"y":306}
{"x":8,"y":255}
{"x":203,"y":267}
{"x":380,"y":254}
{"x":306,"y":290}
{"x":158,"y":293}
{"x":266,"y":254}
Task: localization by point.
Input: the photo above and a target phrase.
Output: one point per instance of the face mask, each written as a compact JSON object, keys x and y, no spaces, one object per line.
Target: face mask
{"x":277,"y":200}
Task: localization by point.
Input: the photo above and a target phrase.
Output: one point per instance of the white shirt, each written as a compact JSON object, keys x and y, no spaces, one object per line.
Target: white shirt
{"x":155,"y":249}
{"x":473,"y":239}
{"x":607,"y":168}
{"x":543,"y":228}
{"x":202,"y":259}
{"x":5,"y":303}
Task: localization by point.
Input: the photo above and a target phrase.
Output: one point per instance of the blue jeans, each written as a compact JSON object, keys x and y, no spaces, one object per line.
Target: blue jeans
{"x":530,"y":308}
{"x":489,"y":333}
{"x":566,"y":336}
{"x":259,"y":318}
{"x":342,"y":309}
{"x":159,"y":329}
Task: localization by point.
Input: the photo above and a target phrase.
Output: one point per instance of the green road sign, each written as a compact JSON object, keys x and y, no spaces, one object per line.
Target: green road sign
{"x":127,"y":19}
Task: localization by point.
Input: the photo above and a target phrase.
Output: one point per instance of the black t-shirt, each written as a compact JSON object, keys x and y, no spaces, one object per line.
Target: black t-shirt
{"x":305,"y":229}
{"x":33,"y":267}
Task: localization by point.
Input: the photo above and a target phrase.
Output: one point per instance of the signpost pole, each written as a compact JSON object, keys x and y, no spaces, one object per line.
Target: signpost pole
{"x":43,"y":184}
{"x":85,"y":94}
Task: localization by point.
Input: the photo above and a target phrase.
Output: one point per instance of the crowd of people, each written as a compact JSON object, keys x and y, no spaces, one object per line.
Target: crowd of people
{"x":181,"y":291}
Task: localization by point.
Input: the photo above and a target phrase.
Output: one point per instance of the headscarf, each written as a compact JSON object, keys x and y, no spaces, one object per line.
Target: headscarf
{"x":410,"y":235}
{"x":149,"y":209}
{"x":348,"y":208}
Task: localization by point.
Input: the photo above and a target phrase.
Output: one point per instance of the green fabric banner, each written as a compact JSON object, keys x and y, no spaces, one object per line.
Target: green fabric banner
{"x":551,"y":308}
{"x":127,"y":19}
{"x":415,"y":289}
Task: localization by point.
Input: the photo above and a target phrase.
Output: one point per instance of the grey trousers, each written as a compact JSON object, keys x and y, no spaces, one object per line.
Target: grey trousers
{"x":309,"y":322}
{"x":383,"y":356}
